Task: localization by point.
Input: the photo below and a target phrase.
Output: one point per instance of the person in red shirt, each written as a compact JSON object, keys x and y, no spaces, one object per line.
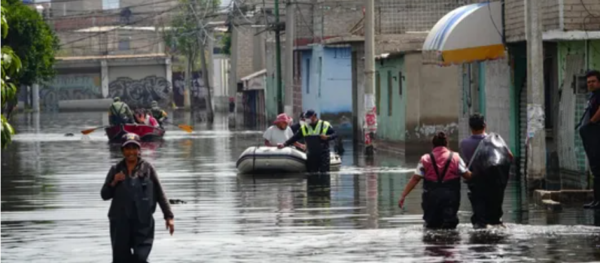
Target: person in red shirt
{"x":441,"y":170}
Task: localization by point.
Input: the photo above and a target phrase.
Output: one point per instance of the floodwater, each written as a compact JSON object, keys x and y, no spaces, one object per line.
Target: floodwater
{"x":52,"y":210}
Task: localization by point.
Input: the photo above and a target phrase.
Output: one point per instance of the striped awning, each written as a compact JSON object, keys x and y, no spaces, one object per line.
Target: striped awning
{"x":466,"y":34}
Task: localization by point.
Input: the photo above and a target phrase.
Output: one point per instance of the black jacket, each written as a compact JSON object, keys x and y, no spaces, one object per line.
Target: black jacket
{"x":139,"y":192}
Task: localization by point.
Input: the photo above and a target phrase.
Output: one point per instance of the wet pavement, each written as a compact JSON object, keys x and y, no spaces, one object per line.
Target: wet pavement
{"x":52,"y":210}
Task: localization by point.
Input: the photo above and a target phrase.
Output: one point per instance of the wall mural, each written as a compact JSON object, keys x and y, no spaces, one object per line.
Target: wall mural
{"x":69,"y":87}
{"x":140,"y":93}
{"x":199,"y":92}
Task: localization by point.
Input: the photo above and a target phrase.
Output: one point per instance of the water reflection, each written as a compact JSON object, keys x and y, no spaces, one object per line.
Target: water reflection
{"x":51,"y":209}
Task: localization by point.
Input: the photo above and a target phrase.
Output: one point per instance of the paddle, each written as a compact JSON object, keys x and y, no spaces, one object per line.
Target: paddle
{"x":184,"y":127}
{"x":88,"y":131}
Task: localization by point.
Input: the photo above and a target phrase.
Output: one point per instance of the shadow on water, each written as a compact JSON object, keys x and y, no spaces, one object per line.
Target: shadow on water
{"x":52,"y":211}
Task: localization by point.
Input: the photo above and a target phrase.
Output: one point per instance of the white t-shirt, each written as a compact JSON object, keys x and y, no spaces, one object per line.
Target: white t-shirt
{"x":275,"y":135}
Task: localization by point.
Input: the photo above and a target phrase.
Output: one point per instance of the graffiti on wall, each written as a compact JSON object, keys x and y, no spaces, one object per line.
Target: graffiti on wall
{"x":140,"y":93}
{"x":69,"y":87}
{"x":199,"y":91}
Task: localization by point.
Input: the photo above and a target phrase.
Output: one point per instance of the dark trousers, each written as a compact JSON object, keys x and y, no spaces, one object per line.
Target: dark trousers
{"x":590,"y":136}
{"x":131,"y":240}
{"x":595,"y":169}
{"x":319,"y":162}
{"x":440,"y":205}
{"x":486,"y":193}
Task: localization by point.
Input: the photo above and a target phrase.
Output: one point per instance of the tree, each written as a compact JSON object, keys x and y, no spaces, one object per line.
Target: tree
{"x":11,"y":65}
{"x":32,"y":40}
{"x":226,"y":41}
{"x":187,"y":36}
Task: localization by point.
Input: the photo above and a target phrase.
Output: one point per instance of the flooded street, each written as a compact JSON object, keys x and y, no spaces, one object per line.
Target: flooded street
{"x":52,"y":210}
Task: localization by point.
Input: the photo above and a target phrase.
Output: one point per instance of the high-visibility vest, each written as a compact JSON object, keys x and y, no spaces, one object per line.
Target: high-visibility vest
{"x":307,"y":130}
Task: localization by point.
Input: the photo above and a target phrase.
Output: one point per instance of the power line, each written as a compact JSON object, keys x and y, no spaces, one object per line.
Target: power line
{"x":140,"y":20}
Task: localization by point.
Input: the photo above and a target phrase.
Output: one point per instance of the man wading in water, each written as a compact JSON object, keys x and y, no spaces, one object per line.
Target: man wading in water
{"x":441,"y":170}
{"x":134,"y":188}
{"x":317,"y":134}
{"x":490,"y":160}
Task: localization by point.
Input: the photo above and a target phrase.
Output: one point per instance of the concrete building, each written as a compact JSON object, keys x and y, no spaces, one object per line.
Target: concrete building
{"x":116,"y":48}
{"x":494,"y":82}
{"x":404,"y":87}
{"x":571,"y":36}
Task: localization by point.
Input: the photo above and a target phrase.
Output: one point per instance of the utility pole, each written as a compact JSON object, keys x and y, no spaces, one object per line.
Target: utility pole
{"x":370,"y":122}
{"x":202,"y":37}
{"x":278,"y":58}
{"x":290,"y":36}
{"x":536,"y":134}
{"x":205,"y":76}
{"x":187,"y":92}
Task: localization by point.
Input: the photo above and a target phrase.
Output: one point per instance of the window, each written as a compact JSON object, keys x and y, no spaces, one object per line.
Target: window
{"x":400,"y":78}
{"x":308,"y":76}
{"x":377,"y":92}
{"x":124,"y":39}
{"x":390,"y":92}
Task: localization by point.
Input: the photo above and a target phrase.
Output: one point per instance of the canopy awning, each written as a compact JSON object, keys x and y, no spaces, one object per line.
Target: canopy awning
{"x":466,"y":34}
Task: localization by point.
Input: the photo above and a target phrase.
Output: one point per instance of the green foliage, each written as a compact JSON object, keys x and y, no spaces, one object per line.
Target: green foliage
{"x":11,"y":65}
{"x":182,"y":37}
{"x":32,"y":40}
{"x":226,"y":42}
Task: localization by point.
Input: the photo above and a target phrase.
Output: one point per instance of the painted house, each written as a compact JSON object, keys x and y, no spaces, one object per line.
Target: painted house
{"x":494,"y":77}
{"x":414,"y":101}
{"x":327,"y":84}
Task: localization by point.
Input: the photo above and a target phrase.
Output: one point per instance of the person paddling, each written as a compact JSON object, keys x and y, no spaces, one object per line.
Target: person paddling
{"x":133,"y":187}
{"x":441,"y":170}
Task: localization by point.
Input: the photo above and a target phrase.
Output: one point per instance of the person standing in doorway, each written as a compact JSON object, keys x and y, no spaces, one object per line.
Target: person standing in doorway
{"x":589,"y":130}
{"x":489,"y":159}
{"x":441,"y":169}
{"x":134,"y":189}
{"x":317,"y":134}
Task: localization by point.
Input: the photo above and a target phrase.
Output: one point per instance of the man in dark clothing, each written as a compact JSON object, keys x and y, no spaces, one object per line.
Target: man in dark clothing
{"x":159,"y":114}
{"x":317,"y":135}
{"x":296,"y":127}
{"x":486,"y":188}
{"x":589,"y":130}
{"x":119,"y":113}
{"x":135,"y":190}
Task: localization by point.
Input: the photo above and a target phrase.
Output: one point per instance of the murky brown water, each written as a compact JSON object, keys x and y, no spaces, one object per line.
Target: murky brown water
{"x":52,"y":210}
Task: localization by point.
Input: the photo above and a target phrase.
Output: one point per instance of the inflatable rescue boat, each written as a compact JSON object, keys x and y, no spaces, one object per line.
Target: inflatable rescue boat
{"x":270,"y":159}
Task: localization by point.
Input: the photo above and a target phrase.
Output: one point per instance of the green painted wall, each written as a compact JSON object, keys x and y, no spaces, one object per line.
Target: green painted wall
{"x":391,"y":125}
{"x":518,"y":74}
{"x":591,"y":52}
{"x":271,"y":97}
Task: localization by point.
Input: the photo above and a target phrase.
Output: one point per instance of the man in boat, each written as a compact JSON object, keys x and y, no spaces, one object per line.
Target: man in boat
{"x":489,"y":159}
{"x":159,"y":114}
{"x":441,"y":170}
{"x":589,"y":130}
{"x":279,"y":132}
{"x":317,"y":135}
{"x":134,"y":189}
{"x":119,"y":113}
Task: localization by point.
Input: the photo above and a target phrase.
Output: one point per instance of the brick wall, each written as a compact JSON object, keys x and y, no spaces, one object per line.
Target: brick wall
{"x":578,"y":15}
{"x":297,"y":104}
{"x":582,"y":14}
{"x":514,"y":25}
{"x":245,"y":50}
